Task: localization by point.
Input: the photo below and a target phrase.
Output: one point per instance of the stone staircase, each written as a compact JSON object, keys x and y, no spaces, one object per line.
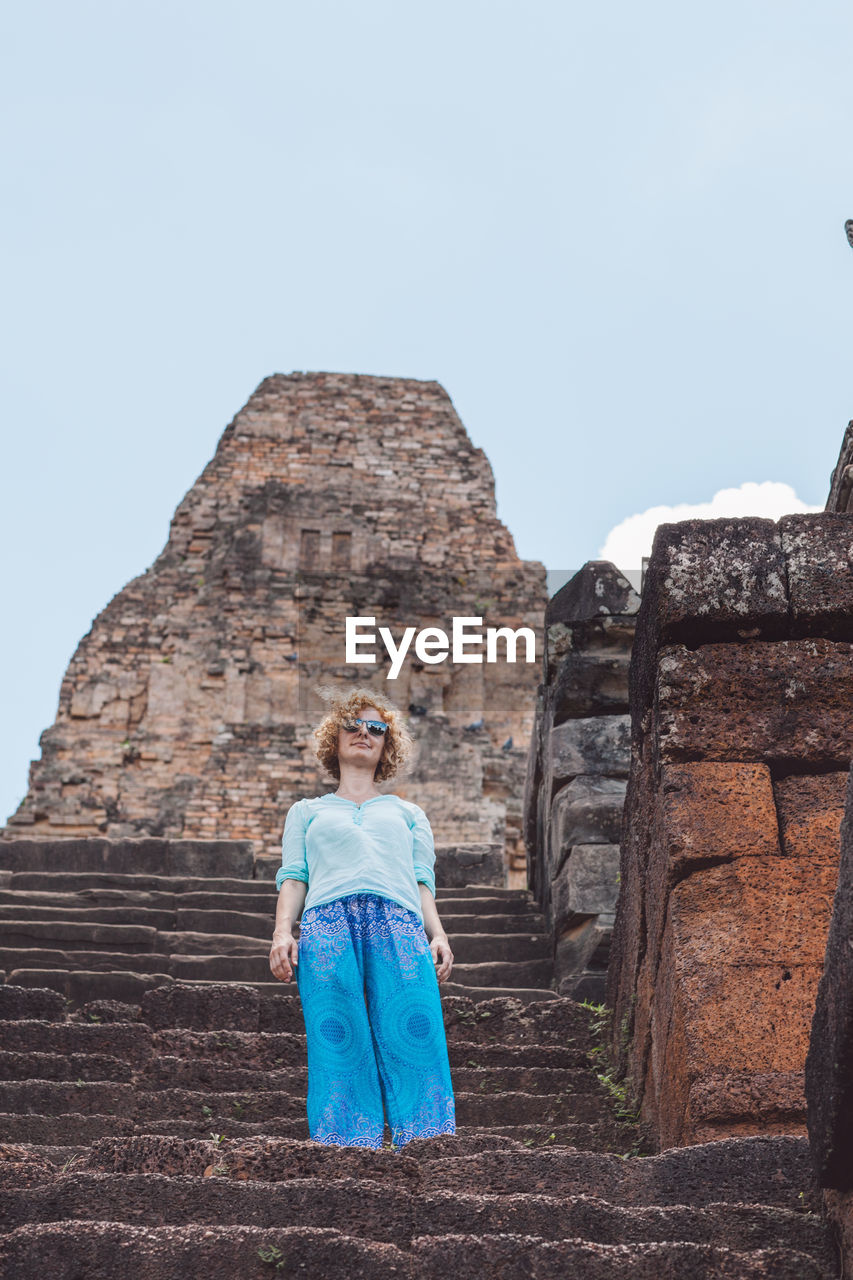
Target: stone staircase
{"x":152,"y":1106}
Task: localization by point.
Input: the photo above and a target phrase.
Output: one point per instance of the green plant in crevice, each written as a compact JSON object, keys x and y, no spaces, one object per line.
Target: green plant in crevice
{"x":618,"y":1091}
{"x":273,"y":1255}
{"x":605,"y":1070}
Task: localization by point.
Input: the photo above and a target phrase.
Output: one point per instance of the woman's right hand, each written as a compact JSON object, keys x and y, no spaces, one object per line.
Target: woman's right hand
{"x":284,"y":956}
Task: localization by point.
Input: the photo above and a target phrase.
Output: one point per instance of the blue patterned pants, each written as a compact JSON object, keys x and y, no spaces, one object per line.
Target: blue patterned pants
{"x":373,"y":1024}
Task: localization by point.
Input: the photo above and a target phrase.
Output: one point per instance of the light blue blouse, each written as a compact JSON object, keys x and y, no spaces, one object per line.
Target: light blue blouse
{"x":383,"y":845}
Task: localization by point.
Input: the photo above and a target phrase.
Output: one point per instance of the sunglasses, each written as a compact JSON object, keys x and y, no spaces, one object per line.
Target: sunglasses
{"x":374,"y":727}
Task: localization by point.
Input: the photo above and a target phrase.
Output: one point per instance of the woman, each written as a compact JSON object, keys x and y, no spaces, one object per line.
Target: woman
{"x":371,"y":949}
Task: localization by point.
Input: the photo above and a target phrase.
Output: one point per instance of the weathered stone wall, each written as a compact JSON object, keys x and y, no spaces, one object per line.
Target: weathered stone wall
{"x":829,"y":1065}
{"x":185,"y":711}
{"x":741,"y":685}
{"x":577,"y":771}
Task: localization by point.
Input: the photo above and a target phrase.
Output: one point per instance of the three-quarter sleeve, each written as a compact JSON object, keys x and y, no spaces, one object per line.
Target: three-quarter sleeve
{"x":294,"y":862}
{"x":423,"y":850}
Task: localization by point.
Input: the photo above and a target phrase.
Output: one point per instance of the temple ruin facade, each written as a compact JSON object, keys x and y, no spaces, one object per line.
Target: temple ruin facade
{"x":186,"y":710}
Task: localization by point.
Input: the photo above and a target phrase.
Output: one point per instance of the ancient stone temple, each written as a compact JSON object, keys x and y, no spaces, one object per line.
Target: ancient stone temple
{"x":155,"y":1078}
{"x":186,"y":710}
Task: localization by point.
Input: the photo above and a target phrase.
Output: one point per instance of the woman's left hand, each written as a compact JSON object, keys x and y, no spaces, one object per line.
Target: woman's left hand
{"x":442,"y":957}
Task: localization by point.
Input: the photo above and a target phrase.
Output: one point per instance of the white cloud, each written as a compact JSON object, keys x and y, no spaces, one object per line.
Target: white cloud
{"x":631,"y":539}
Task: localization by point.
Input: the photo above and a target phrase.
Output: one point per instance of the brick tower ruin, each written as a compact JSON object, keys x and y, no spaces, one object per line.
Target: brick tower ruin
{"x":186,"y":710}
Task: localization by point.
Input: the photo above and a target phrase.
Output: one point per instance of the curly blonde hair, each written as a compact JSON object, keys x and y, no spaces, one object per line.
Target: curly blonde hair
{"x":345,"y":705}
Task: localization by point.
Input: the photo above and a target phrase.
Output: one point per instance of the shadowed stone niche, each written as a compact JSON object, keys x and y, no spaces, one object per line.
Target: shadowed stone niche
{"x":186,"y":710}
{"x":741,"y":684}
{"x":577,"y":771}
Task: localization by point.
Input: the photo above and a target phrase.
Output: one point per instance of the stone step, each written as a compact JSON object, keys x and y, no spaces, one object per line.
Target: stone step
{"x":153,"y":855}
{"x":246,"y":919}
{"x":153,"y":1055}
{"x":606,"y":1135}
{"x":215,"y":1008}
{"x":165,"y":1070}
{"x":182,"y":888}
{"x":131,"y":1042}
{"x":217,"y":859}
{"x":527,"y":994}
{"x":263,"y":1157}
{"x":755,"y":1170}
{"x":126,"y":976}
{"x":82,"y":987}
{"x":62,"y":1136}
{"x":73,"y":1133}
{"x":398,"y":1214}
{"x":69,"y":1250}
{"x":195,"y":891}
{"x":28,"y":943}
{"x":469,"y":1257}
{"x":486,"y":891}
{"x":506,"y":974}
{"x":30,"y":1045}
{"x":141,"y":1103}
{"x":760,"y":1170}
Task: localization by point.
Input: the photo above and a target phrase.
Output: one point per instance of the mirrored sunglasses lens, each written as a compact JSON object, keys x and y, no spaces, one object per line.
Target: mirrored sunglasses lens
{"x":376,"y":728}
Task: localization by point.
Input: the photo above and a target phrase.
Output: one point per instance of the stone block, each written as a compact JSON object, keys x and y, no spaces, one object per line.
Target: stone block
{"x":706,"y":581}
{"x":532,"y":785}
{"x":715,"y":579}
{"x":708,"y":812}
{"x":810,"y":810}
{"x":600,"y":744}
{"x":714,"y":811}
{"x":735,"y":987}
{"x":777,"y":701}
{"x":587,"y":884}
{"x":458,"y":865}
{"x":588,"y":810}
{"x":590,"y":684}
{"x":818,"y":551}
{"x":579,"y":943}
{"x":585,"y":986}
{"x":596,"y":601}
{"x":596,"y":589}
{"x":628,"y":930}
{"x":711,"y":1023}
{"x":226,"y":1005}
{"x":143,"y":856}
{"x":748,"y":1101}
{"x":755,"y":911}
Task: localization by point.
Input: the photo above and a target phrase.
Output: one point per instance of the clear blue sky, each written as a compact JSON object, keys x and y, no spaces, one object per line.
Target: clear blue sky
{"x":614,"y":233}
